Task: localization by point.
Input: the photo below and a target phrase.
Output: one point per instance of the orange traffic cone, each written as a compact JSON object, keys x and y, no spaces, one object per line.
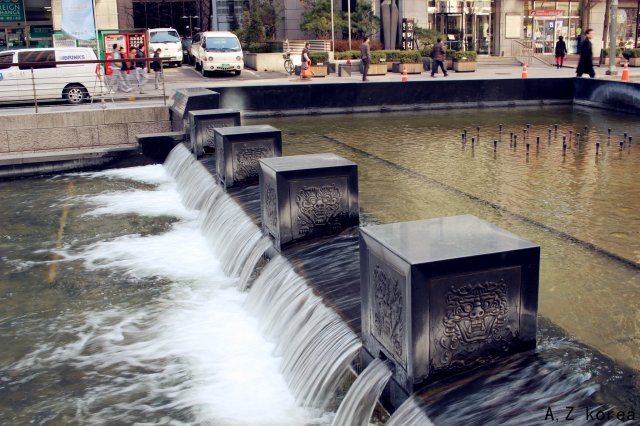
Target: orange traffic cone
{"x":405,"y":77}
{"x":525,"y":74}
{"x":625,"y":71}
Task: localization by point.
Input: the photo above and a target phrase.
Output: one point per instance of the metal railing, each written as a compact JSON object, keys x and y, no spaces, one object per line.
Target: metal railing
{"x":78,"y":81}
{"x":523,"y":51}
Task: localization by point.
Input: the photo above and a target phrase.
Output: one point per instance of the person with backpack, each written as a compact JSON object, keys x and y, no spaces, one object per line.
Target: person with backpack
{"x":156,"y":66}
{"x":140,"y":67}
{"x":118,"y":68}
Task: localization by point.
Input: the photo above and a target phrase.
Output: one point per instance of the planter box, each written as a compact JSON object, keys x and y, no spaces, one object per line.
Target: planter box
{"x":390,"y":66}
{"x":376,"y":69}
{"x":448,"y":63}
{"x":319,"y":70}
{"x":634,"y":62}
{"x":606,"y":61}
{"x":411,"y":68}
{"x":426,"y":63}
{"x":466,"y":66}
{"x":264,"y":61}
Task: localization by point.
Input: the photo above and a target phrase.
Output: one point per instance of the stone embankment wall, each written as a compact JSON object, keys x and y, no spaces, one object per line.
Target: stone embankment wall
{"x":22,"y":133}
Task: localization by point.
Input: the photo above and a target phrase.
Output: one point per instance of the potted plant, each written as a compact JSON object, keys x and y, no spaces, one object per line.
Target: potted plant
{"x":465,"y":61}
{"x":377,"y":63}
{"x":633,"y":56}
{"x":411,"y":59}
{"x":605,"y":53}
{"x":448,"y":58}
{"x":319,"y":63}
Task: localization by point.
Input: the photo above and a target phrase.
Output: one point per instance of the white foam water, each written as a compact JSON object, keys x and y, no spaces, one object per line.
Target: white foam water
{"x":190,"y":355}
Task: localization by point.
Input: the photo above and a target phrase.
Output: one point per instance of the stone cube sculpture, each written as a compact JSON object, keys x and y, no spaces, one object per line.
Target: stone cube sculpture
{"x":445,"y":295}
{"x":238,"y":150}
{"x":190,"y":99}
{"x":307,"y":196}
{"x":202,"y":124}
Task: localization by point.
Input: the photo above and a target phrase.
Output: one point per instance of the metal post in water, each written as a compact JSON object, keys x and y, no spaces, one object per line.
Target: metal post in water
{"x":621,"y":145}
{"x":609,"y":133}
{"x":577,"y":139}
{"x":556,"y":126}
{"x":570,"y":136}
{"x":585,"y":130}
{"x":527,"y":148}
{"x":537,"y":141}
{"x":630,"y":138}
{"x":564,"y":149}
{"x":625,"y":137}
{"x":478,"y":128}
{"x":473,"y":141}
{"x":515,"y":141}
{"x":462,"y":135}
{"x":528,"y":126}
{"x":500,"y":128}
{"x":597,"y":147}
{"x":495,"y":145}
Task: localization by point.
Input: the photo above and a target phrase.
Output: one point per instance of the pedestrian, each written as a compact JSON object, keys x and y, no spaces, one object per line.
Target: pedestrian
{"x":438,"y":54}
{"x":131,"y":70}
{"x":305,"y":60}
{"x":118,"y":70}
{"x":585,"y":64}
{"x":365,"y":56}
{"x":156,"y":66}
{"x":140,"y":67}
{"x":561,"y":52}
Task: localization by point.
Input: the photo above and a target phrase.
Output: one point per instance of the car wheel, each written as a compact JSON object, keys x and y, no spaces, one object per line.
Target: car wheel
{"x":75,"y":94}
{"x":237,"y":72}
{"x":178,"y":64}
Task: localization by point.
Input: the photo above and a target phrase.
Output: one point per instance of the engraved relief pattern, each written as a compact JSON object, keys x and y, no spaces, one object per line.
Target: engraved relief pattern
{"x":271,"y":218}
{"x":388,"y":325}
{"x":475,"y":319}
{"x":247,"y":161}
{"x":319,"y":210}
{"x":210,"y":127}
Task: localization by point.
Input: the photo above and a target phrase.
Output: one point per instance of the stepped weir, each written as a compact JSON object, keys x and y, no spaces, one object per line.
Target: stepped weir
{"x":409,"y":307}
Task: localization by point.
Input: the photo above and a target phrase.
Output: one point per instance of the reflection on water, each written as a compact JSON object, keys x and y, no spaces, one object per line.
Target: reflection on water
{"x":413,"y":166}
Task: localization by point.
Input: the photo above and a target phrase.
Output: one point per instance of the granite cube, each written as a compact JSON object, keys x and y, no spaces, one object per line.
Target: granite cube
{"x":202,"y":126}
{"x":307,"y":196}
{"x":238,"y":150}
{"x":190,"y":99}
{"x":446,"y":295}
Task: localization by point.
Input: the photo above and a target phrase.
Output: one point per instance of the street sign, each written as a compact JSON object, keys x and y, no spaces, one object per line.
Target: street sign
{"x":11,"y":11}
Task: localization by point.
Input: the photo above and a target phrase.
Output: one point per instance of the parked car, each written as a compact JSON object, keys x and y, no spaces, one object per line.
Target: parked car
{"x":53,"y":79}
{"x":168,"y":40}
{"x":217,"y":51}
{"x":186,"y":44}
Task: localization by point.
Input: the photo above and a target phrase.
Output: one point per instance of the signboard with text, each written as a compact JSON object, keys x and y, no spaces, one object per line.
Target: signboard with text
{"x":408,"y":36}
{"x":547,"y":12}
{"x":11,"y":11}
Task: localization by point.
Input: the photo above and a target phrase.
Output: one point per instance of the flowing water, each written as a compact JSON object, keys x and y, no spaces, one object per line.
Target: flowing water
{"x":358,"y":404}
{"x":130,"y":296}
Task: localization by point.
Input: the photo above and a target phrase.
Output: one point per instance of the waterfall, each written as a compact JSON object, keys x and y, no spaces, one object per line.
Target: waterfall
{"x":316,"y":345}
{"x":410,"y":413}
{"x":358,"y":404}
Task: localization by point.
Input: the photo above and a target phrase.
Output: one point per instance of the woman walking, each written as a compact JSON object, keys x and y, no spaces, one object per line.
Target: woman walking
{"x":561,"y":52}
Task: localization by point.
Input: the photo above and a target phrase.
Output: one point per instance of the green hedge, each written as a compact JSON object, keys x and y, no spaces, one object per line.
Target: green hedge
{"x":259,"y":48}
{"x":606,"y":52}
{"x":468,"y":56}
{"x":349,"y":54}
{"x":632,"y":53}
{"x":318,"y":57}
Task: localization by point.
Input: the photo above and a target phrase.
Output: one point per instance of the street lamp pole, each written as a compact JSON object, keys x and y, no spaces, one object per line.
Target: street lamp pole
{"x":613,"y":20}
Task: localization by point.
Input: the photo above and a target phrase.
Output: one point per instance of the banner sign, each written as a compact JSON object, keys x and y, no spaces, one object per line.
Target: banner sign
{"x":548,"y":12}
{"x":77,"y":19}
{"x":11,"y":11}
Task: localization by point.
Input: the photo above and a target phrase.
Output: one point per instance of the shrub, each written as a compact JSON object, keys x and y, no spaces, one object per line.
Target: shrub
{"x":349,"y":54}
{"x":468,"y":56}
{"x":450,"y":53}
{"x":426,"y":52}
{"x":259,"y":48}
{"x":410,"y":57}
{"x":318,"y":57}
{"x":631,"y":53}
{"x":378,"y":56}
{"x":606,"y":52}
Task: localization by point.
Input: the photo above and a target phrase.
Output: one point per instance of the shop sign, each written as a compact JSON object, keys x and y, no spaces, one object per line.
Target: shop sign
{"x":40,"y":31}
{"x":11,"y":11}
{"x":547,"y":12}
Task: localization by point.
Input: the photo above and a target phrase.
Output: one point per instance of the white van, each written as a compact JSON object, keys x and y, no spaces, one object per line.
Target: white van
{"x":73,"y":82}
{"x":217,"y":51}
{"x":169,"y":41}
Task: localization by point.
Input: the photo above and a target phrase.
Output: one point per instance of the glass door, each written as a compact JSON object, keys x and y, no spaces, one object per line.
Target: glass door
{"x":544,"y":36}
{"x":482,"y":34}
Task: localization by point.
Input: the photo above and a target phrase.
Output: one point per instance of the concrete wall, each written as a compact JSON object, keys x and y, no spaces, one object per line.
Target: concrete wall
{"x":50,"y":131}
{"x":265,"y":61}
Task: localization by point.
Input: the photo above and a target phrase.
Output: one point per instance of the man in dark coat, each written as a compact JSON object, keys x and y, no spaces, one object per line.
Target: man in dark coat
{"x":438,"y":54}
{"x":585,"y":64}
{"x":365,"y":57}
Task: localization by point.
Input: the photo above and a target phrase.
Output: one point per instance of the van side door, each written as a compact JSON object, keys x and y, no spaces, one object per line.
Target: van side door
{"x":8,"y":77}
{"x":42,"y":79}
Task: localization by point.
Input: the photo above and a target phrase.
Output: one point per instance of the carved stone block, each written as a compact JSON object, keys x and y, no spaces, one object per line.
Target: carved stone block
{"x":203,"y":124}
{"x":238,"y":150}
{"x":190,"y":99}
{"x":445,"y":295}
{"x":307,"y":196}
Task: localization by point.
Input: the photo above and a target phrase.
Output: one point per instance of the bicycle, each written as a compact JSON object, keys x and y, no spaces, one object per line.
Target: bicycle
{"x":288,"y":63}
